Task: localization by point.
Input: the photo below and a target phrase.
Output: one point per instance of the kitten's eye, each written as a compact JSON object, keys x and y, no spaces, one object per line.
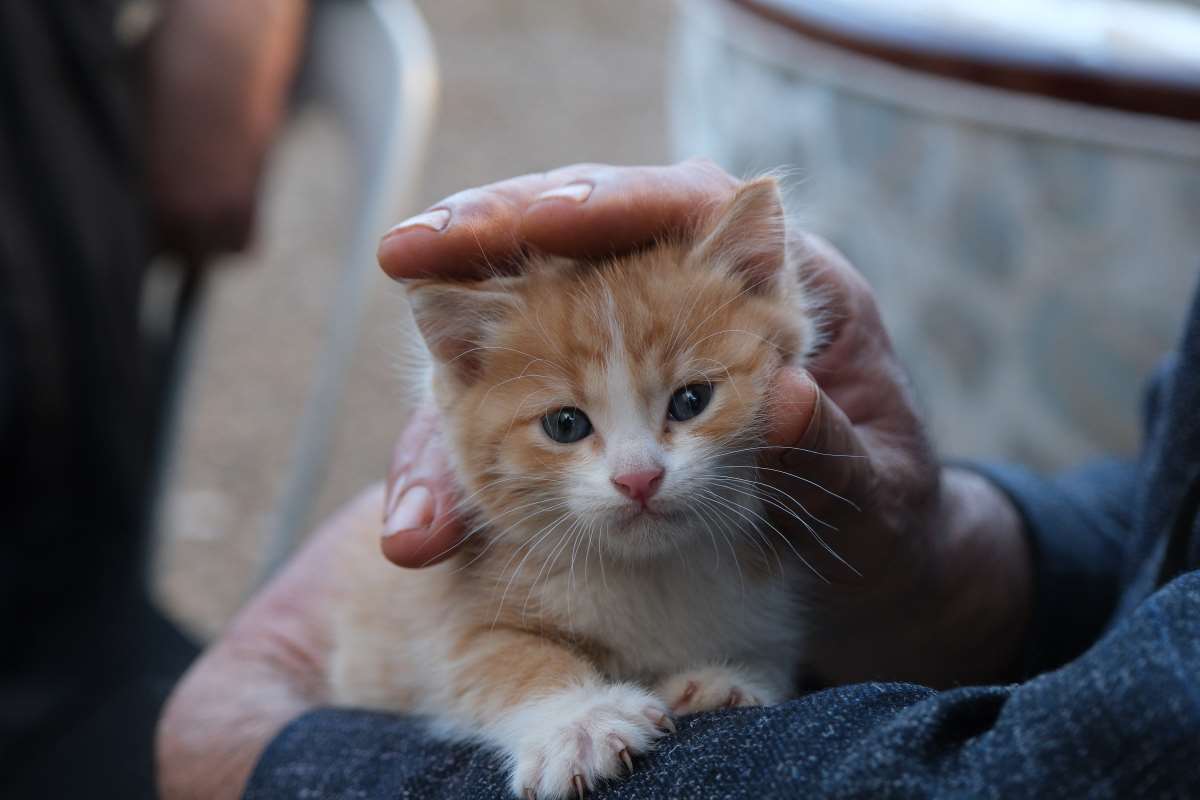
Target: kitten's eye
{"x":566,"y":425}
{"x":689,"y":401}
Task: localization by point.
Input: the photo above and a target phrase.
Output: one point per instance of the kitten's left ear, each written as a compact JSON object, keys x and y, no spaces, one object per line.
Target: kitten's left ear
{"x":457,"y":321}
{"x":749,"y":237}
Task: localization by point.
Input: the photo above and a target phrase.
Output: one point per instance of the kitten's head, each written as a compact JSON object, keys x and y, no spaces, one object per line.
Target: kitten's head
{"x":619,"y":401}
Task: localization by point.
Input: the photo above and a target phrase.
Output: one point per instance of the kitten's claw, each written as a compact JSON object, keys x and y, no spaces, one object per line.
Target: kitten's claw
{"x":580,"y":787}
{"x":736,"y":698}
{"x":627,"y":760}
{"x":715,"y":687}
{"x":529,"y":795}
{"x":665,"y":722}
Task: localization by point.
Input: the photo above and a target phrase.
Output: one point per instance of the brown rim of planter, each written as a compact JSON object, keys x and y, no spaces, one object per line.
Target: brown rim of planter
{"x":1029,"y":70}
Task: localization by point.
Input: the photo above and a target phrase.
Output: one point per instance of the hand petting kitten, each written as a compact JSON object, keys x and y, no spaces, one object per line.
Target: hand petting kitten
{"x":924,"y":542}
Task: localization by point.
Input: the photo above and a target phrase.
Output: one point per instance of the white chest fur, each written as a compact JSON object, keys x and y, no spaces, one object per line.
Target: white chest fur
{"x":657,"y":619}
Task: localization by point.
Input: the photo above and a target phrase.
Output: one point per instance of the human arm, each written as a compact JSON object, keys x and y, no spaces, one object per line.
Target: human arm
{"x":266,"y":669}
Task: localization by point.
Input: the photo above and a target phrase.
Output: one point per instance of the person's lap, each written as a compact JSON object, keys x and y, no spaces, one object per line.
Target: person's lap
{"x":1083,"y":729}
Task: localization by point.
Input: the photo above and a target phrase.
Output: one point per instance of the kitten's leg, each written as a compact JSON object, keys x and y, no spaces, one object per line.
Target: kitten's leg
{"x":562,"y":726}
{"x":717,"y":686}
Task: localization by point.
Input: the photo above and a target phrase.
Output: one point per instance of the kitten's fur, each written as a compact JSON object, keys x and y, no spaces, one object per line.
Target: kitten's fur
{"x":572,"y":624}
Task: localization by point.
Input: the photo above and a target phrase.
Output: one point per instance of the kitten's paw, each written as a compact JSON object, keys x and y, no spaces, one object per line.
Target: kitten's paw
{"x":564,"y":745}
{"x":718,"y":686}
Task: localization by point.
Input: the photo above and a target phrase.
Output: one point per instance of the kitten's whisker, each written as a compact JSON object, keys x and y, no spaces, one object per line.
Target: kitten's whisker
{"x":571,"y":584}
{"x":462,"y":502}
{"x":798,"y":449}
{"x":825,"y":545}
{"x":736,"y":563}
{"x":741,"y":510}
{"x":496,"y":537}
{"x":754,"y":535}
{"x":793,"y":475}
{"x":530,"y":545}
{"x":554,"y":553}
{"x":746,"y":527}
{"x":588,"y":553}
{"x":713,"y":538}
{"x":600,"y":556}
{"x":769,"y":487}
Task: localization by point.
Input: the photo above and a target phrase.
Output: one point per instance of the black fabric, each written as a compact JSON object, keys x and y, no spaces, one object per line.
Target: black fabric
{"x":85,"y":656}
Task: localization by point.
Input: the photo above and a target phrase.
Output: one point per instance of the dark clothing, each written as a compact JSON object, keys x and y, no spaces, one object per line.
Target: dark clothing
{"x":1111,"y":707}
{"x":86,"y":661}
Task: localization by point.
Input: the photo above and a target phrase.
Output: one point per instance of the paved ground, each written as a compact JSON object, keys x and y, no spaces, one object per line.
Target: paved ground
{"x":527,"y":85}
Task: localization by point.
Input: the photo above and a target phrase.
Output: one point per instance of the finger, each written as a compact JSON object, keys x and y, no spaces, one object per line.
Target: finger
{"x":615,"y":209}
{"x":847,"y":304}
{"x":810,"y":430}
{"x":584,"y":210}
{"x":466,"y":235}
{"x":817,"y":466}
{"x":421,"y":526}
{"x":856,"y":364}
{"x":421,"y":426}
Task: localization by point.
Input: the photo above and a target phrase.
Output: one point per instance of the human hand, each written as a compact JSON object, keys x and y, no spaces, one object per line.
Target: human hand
{"x":217,"y":82}
{"x":267,"y":668}
{"x":926,"y":573}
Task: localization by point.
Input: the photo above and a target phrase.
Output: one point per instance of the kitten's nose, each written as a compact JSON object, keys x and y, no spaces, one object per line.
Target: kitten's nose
{"x":639,"y":486}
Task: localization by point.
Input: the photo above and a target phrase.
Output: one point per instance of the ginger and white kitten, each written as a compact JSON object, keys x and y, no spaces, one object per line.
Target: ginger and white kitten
{"x":603,"y":419}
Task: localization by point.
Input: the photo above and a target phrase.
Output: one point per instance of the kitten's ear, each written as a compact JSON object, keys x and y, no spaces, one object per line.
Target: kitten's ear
{"x":749,"y":237}
{"x":456,"y":321}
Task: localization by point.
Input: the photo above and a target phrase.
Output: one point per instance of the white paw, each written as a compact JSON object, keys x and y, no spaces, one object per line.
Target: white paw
{"x":565,"y":744}
{"x":719,"y":686}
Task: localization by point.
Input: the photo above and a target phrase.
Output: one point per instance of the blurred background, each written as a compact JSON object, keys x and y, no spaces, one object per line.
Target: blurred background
{"x":1020,"y":180}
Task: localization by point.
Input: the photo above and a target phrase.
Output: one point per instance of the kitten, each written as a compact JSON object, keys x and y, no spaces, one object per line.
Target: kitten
{"x":603,"y":419}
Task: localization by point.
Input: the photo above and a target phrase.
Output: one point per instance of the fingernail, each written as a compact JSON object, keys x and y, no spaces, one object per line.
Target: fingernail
{"x":435,"y":220}
{"x":577,"y":191}
{"x":395,"y":492}
{"x":415,"y":510}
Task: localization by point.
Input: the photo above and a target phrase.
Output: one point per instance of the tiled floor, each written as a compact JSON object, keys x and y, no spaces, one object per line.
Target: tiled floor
{"x":526,"y":85}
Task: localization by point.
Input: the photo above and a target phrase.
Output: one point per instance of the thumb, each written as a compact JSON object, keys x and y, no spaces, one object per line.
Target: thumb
{"x":806,"y":426}
{"x":816,"y":462}
{"x":420,"y":523}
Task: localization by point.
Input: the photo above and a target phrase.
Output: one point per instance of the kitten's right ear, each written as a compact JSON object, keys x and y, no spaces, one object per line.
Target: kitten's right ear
{"x":457,"y":320}
{"x":749,"y":237}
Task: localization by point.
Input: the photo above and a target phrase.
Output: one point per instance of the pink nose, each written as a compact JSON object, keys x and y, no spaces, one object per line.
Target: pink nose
{"x":639,"y":486}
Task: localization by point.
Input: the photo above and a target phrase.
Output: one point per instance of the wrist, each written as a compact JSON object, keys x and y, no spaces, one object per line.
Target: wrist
{"x":980,"y":583}
{"x":948,"y":607}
